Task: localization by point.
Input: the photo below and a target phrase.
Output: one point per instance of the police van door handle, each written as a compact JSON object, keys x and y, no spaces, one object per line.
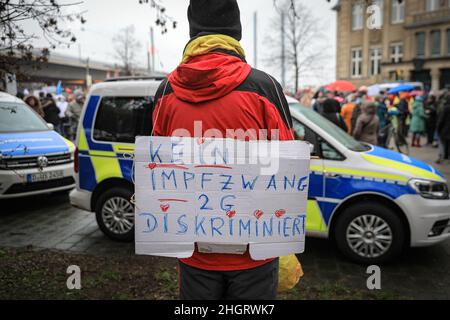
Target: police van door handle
{"x":333,"y":175}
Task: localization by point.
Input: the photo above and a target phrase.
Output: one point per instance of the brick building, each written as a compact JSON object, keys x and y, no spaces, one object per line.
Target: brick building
{"x":413,"y":43}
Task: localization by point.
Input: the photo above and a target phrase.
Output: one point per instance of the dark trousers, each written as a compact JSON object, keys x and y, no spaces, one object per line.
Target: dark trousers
{"x":431,"y":131}
{"x":254,"y":284}
{"x":402,"y":127}
{"x":446,"y":146}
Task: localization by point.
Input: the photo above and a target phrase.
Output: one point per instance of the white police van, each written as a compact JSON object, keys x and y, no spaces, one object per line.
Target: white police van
{"x":370,"y":201}
{"x":34,"y":159}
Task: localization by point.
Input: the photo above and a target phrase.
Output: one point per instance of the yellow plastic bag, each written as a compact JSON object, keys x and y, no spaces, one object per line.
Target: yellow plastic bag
{"x":289,"y":273}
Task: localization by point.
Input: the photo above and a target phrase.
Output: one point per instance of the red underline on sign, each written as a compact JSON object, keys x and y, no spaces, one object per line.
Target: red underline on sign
{"x":172,"y":200}
{"x":153,"y":166}
{"x":172,"y":166}
{"x":214,"y":166}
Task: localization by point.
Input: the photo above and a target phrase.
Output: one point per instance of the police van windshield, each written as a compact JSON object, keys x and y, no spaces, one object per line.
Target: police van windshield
{"x":16,"y":117}
{"x":342,"y":137}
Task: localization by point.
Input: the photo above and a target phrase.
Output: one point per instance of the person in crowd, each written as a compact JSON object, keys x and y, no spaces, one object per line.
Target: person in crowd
{"x":443,"y":129}
{"x":73,"y":114}
{"x":403,"y":109}
{"x":440,"y":107}
{"x":318,"y":102}
{"x":51,"y":112}
{"x":35,"y":104}
{"x":42,"y":97}
{"x":333,"y":97}
{"x":241,"y":98}
{"x":431,"y":122}
{"x":62,"y":105}
{"x":307,"y":97}
{"x":347,"y":112}
{"x":331,"y":112}
{"x":356,"y":113}
{"x":383,"y":117}
{"x":20,"y":95}
{"x":367,"y":125}
{"x":418,"y":121}
{"x":363,"y":91}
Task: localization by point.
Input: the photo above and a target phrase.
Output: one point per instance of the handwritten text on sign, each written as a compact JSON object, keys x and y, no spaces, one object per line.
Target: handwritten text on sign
{"x":222,"y":192}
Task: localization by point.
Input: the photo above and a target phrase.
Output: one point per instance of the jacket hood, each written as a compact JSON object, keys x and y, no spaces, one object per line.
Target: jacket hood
{"x":208,"y":77}
{"x":369,"y":109}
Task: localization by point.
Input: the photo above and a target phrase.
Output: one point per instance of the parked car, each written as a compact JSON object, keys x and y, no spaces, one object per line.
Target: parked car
{"x":372,"y":202}
{"x":34,"y":159}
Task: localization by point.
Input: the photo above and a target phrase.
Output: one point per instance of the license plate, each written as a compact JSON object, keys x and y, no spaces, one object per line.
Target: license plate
{"x":45,"y":176}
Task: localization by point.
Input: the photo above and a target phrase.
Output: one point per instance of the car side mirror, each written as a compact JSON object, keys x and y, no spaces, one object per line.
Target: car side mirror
{"x":50,"y":126}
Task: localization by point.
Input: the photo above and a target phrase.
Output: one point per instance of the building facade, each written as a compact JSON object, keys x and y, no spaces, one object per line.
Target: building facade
{"x":394,"y":40}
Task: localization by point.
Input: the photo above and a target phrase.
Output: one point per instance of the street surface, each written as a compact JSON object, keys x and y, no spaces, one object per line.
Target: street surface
{"x":50,"y":222}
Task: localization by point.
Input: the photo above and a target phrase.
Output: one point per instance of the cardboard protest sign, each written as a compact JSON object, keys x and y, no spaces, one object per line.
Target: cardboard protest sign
{"x":220,"y":192}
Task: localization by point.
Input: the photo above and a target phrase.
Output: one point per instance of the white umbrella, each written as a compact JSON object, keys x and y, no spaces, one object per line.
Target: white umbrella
{"x":374,"y":90}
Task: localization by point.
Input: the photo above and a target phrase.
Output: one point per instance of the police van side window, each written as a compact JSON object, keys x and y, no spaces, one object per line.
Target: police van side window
{"x":121,"y":119}
{"x":321,"y":148}
{"x":330,"y":153}
{"x":303,"y":133}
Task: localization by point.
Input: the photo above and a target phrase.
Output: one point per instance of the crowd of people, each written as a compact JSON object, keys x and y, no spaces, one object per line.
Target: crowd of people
{"x":371,"y":119}
{"x":62,"y":111}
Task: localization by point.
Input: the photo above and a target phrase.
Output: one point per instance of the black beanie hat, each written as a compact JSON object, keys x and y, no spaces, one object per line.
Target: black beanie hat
{"x":215,"y":17}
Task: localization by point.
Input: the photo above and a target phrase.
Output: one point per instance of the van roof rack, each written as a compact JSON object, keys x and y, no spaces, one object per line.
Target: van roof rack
{"x":137,"y":78}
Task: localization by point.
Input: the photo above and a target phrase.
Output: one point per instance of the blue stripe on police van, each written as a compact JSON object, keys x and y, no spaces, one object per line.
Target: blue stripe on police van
{"x":344,"y":187}
{"x":395,"y":156}
{"x":127,"y":169}
{"x":88,"y":180}
{"x":327,"y":210}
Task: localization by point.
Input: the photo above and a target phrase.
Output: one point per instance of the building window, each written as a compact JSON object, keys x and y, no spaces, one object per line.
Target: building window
{"x":396,"y":52}
{"x":380,"y":5}
{"x":435,"y":43}
{"x":398,"y":11}
{"x":357,"y":16}
{"x":375,"y":61}
{"x":357,"y":62}
{"x":432,"y":5}
{"x":448,"y":41}
{"x":420,"y":44}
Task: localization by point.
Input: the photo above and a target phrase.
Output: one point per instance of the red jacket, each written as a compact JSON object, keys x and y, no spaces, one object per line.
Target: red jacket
{"x":223,"y":92}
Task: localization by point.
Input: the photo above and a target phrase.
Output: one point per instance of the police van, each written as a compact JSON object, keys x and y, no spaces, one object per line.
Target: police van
{"x":34,"y":159}
{"x":370,"y":201}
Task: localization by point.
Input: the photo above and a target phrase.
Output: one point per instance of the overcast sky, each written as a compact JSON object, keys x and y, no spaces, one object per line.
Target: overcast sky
{"x":106,"y":17}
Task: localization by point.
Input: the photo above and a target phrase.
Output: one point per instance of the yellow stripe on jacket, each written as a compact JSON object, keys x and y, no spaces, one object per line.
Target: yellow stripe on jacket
{"x":208,"y":43}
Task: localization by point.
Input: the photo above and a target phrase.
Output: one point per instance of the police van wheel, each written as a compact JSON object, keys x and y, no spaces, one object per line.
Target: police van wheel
{"x":370,"y":233}
{"x":115,"y":214}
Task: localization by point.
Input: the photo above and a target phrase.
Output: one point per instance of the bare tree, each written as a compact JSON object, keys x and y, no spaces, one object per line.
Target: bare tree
{"x":16,"y":42}
{"x":163,"y":20}
{"x":305,"y":48}
{"x":126,"y":47}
